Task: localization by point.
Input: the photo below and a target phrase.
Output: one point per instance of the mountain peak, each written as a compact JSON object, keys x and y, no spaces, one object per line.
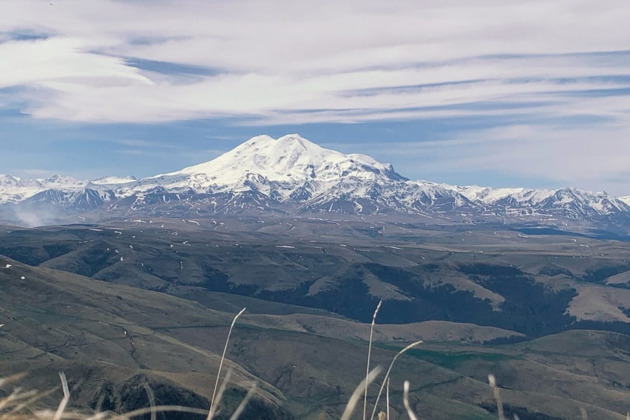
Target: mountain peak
{"x":268,"y":149}
{"x":295,"y":140}
{"x":292,"y":173}
{"x":288,"y":140}
{"x":290,"y":158}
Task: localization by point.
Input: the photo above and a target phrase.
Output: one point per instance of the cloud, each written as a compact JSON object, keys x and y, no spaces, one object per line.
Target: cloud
{"x":588,"y":157}
{"x":39,"y":61}
{"x":549,"y":79}
{"x":277,"y":59}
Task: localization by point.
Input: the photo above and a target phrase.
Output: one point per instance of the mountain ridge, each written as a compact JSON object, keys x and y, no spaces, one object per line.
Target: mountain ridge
{"x":293,"y":175}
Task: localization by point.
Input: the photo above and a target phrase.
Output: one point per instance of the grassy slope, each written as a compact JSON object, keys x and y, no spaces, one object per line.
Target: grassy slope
{"x":309,"y":359}
{"x":98,"y":333}
{"x":59,"y":321}
{"x":542,"y":284}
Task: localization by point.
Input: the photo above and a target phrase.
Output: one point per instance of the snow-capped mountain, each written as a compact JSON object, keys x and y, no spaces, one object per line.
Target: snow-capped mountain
{"x":565,"y":202}
{"x":14,"y":189}
{"x":273,"y":167}
{"x":294,"y":175}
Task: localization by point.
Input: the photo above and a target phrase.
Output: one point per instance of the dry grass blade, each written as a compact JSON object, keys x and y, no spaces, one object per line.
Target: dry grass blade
{"x":12,"y":378}
{"x":583,"y":413}
{"x":213,"y":407}
{"x":391,"y":365}
{"x":151,"y":397}
{"x":367,"y":368}
{"x":387,"y":399}
{"x":101,"y":415}
{"x":410,"y":412}
{"x":8,"y":400}
{"x":241,"y":406}
{"x":99,"y":404}
{"x":160,"y":409}
{"x":354,"y":398}
{"x":227,"y":341}
{"x":33,"y":397}
{"x":65,"y":399}
{"x":497,"y":397}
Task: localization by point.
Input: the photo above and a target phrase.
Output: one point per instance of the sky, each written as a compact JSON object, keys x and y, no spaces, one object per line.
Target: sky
{"x":498,"y":93}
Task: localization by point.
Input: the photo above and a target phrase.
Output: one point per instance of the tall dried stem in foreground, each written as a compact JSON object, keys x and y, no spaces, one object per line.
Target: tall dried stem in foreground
{"x":387,"y":399}
{"x":65,"y":399}
{"x":151,"y":397}
{"x":216,"y":384}
{"x":495,"y":391}
{"x":241,"y":406}
{"x":410,"y":413}
{"x":354,"y":398}
{"x":367,"y":368}
{"x":219,"y":394}
{"x":386,"y":379}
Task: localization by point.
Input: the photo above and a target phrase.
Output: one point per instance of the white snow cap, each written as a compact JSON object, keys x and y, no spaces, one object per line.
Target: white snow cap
{"x":289,"y":158}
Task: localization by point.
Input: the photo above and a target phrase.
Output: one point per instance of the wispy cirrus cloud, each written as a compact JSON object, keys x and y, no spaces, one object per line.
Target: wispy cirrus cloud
{"x":543,"y":155}
{"x":558,"y":68}
{"x":104,"y":60}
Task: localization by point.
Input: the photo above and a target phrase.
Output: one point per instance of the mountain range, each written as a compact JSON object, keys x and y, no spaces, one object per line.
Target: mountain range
{"x":139,"y":294}
{"x":291,"y":175}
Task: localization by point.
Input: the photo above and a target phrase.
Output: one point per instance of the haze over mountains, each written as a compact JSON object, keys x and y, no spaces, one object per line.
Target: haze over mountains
{"x":292,"y":175}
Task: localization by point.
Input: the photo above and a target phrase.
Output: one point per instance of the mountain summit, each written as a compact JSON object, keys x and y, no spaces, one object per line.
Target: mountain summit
{"x":288,"y":160}
{"x":292,"y":175}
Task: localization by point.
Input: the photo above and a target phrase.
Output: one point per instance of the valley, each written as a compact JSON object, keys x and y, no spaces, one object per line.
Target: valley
{"x":129,"y":285}
{"x":132,"y":301}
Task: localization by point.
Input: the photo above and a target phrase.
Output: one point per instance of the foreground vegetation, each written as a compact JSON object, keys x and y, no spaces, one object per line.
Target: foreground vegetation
{"x":20,"y":405}
{"x":555,"y":355}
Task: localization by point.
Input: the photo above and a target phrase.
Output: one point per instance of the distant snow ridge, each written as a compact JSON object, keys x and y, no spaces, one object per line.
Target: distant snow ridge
{"x":113,"y":180}
{"x":293,"y":175}
{"x":14,"y":189}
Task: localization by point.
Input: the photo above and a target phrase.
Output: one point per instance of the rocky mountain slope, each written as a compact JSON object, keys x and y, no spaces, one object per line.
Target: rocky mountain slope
{"x":292,"y":175}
